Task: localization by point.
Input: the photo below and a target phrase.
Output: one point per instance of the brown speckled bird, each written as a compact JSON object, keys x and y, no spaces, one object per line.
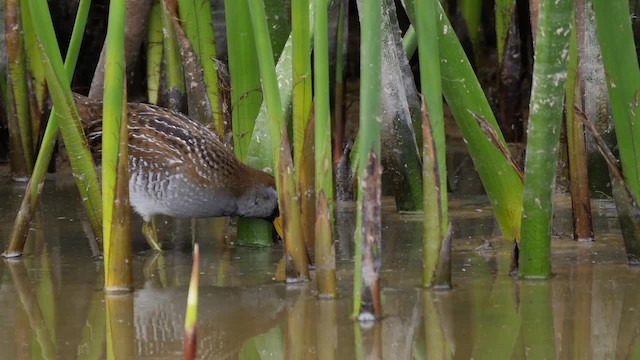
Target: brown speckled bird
{"x":178,"y":167}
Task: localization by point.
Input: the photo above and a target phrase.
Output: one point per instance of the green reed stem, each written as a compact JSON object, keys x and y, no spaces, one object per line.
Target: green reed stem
{"x":503,"y":20}
{"x":324,"y":250}
{"x":434,"y":168}
{"x":154,"y":52}
{"x":246,"y":99}
{"x":289,"y":199}
{"x":471,"y":11}
{"x":195,"y":16}
{"x":115,"y":164}
{"x":301,"y":42}
{"x":245,"y":76}
{"x":19,"y":116}
{"x":173,"y":63}
{"x":549,"y":76}
{"x":369,"y":155}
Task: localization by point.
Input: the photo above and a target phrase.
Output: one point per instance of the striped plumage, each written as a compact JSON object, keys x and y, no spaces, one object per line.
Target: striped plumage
{"x":178,"y":167}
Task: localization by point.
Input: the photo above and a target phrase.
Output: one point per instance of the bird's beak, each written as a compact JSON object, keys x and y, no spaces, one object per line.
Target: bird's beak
{"x":277,"y":223}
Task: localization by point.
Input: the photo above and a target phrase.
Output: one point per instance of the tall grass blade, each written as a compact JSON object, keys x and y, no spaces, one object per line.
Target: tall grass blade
{"x":546,"y":106}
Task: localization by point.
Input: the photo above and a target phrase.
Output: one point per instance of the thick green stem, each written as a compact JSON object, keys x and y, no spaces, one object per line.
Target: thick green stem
{"x":325,"y":260}
{"x":546,"y":106}
{"x":115,"y":165}
{"x":434,"y":158}
{"x":367,"y":238}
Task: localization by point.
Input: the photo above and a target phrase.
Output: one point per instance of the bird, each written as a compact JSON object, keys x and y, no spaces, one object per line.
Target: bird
{"x":180,"y":168}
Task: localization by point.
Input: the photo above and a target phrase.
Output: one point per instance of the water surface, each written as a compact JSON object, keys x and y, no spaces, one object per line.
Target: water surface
{"x":52,"y":305}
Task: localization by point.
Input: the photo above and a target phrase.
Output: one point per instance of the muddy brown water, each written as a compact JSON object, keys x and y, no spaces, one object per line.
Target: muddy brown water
{"x":52,"y":305}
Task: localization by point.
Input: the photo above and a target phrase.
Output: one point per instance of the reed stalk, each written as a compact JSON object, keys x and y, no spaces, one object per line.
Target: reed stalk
{"x":471,"y":11}
{"x":154,"y":52}
{"x":302,"y":95}
{"x":115,"y":164}
{"x":578,"y":174}
{"x":172,"y":61}
{"x":289,"y":197}
{"x":31,"y":197}
{"x":616,"y":41}
{"x":18,"y":114}
{"x":246,"y":99}
{"x":545,"y":117}
{"x":503,"y":10}
{"x":324,"y":250}
{"x":339,"y":90}
{"x":35,"y":69}
{"x":301,"y":110}
{"x":367,"y":304}
{"x":199,"y":106}
{"x":72,"y":134}
{"x":245,"y":76}
{"x":465,"y":97}
{"x":190,"y":323}
{"x":259,"y":154}
{"x":434,"y":157}
{"x":195,"y":16}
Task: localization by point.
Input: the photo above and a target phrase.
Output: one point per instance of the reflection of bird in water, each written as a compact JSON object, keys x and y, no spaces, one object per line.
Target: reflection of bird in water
{"x":178,"y":167}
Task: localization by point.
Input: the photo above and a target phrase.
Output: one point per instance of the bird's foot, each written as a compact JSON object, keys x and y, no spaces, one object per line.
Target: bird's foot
{"x":150,"y":233}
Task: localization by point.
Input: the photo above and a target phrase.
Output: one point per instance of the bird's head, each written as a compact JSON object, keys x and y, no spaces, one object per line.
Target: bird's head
{"x":260,"y":201}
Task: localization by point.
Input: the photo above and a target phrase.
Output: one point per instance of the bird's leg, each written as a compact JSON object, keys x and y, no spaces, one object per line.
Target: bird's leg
{"x":150,"y":233}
